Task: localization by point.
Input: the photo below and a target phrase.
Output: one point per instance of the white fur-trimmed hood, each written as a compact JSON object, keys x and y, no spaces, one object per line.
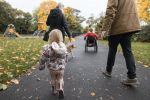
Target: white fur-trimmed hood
{"x":59,"y":48}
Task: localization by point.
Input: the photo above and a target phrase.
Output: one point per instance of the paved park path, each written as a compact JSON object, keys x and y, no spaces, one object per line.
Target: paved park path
{"x":83,"y":80}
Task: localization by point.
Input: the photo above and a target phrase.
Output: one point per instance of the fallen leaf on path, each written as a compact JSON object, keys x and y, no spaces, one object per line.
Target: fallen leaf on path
{"x":3,"y":86}
{"x":93,"y":94}
{"x":30,"y":97}
{"x":101,"y":98}
{"x":29,"y":73}
{"x":8,"y":82}
{"x":15,"y":81}
{"x":33,"y":68}
{"x":38,"y":79}
{"x":146,"y":66}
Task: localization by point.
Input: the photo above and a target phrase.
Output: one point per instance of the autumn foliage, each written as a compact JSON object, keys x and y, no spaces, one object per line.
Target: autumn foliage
{"x":43,"y":12}
{"x":144,"y":10}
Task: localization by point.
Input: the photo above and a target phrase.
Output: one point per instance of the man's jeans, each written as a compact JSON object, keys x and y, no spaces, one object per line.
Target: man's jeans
{"x":125,"y":42}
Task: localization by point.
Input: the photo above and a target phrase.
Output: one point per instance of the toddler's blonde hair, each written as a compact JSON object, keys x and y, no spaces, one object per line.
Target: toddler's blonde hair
{"x":55,"y":36}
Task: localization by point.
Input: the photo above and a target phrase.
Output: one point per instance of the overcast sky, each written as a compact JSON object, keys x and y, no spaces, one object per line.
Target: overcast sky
{"x":87,"y":7}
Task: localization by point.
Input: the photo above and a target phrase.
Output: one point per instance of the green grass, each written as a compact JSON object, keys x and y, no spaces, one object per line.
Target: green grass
{"x":141,"y":51}
{"x":18,"y":55}
{"x":1,"y":35}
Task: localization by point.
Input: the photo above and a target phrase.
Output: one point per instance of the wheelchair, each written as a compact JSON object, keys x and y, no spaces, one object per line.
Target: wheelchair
{"x":91,"y":42}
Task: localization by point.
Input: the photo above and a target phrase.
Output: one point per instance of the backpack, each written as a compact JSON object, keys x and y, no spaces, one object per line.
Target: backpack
{"x":54,"y":19}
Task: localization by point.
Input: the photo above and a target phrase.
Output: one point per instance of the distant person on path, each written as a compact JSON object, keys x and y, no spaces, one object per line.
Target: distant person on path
{"x":91,"y":36}
{"x":57,"y":20}
{"x":121,"y":22}
{"x":90,"y":33}
{"x":54,"y":57}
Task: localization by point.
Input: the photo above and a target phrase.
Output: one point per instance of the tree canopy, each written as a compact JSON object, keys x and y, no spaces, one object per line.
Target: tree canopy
{"x":10,"y":15}
{"x":72,"y":16}
{"x":144,"y":10}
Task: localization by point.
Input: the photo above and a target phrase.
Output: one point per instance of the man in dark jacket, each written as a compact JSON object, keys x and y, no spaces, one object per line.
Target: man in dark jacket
{"x":56,"y":20}
{"x":121,"y":21}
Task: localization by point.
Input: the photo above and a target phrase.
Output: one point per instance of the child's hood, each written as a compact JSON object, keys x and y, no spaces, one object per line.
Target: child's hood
{"x":59,"y":48}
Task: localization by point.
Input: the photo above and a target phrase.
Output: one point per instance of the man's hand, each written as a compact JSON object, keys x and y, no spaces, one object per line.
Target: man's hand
{"x":102,"y":34}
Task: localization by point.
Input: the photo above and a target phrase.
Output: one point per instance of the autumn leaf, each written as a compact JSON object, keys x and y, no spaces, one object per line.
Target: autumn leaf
{"x":33,"y":68}
{"x":1,"y":50}
{"x":140,"y":62}
{"x":143,"y":9}
{"x":8,"y":82}
{"x":15,"y":81}
{"x":38,"y":79}
{"x":93,"y":94}
{"x":1,"y":73}
{"x":15,"y":57}
{"x":34,"y":58}
{"x":3,"y":86}
{"x":17,"y":71}
{"x":9,"y":74}
{"x":146,"y":66}
{"x":22,"y":59}
{"x":43,"y":12}
{"x":1,"y":69}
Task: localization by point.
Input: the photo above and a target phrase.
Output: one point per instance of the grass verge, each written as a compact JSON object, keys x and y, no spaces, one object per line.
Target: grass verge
{"x":18,"y":55}
{"x":141,"y":51}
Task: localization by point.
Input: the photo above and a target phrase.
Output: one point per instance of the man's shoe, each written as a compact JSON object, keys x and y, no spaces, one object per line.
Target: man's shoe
{"x":107,"y":74}
{"x":61,"y":94}
{"x":130,"y":82}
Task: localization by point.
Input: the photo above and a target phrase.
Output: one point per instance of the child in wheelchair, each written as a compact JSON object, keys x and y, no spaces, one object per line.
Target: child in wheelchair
{"x":91,"y":39}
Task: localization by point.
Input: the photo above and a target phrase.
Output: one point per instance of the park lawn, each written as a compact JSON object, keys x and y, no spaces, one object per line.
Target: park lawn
{"x":1,"y":35}
{"x":141,"y":51}
{"x":18,"y":55}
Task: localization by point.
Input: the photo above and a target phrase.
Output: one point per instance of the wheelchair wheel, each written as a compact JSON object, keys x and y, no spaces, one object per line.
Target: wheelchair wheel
{"x":95,"y":48}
